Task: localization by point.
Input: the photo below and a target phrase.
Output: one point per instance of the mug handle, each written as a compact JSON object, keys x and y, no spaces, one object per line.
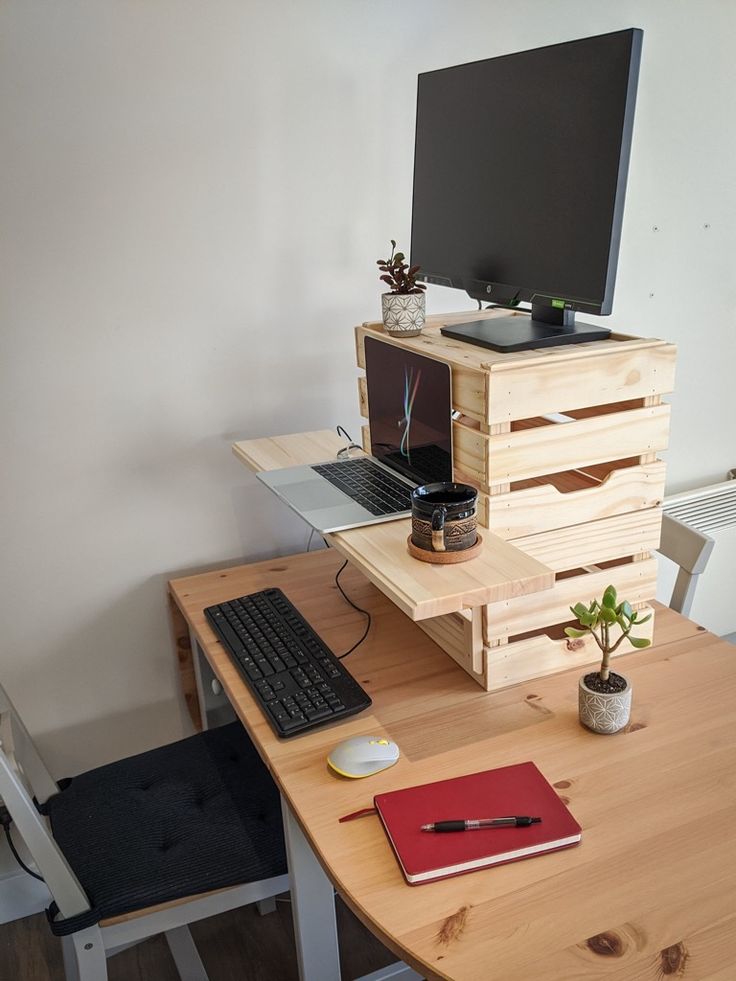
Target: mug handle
{"x":438,"y":529}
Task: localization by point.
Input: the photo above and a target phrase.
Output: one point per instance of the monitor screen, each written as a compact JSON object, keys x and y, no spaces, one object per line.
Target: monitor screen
{"x":520,"y":171}
{"x":410,"y":411}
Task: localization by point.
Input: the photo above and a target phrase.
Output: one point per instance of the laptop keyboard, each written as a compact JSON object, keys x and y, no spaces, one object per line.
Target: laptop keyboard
{"x":367,"y":484}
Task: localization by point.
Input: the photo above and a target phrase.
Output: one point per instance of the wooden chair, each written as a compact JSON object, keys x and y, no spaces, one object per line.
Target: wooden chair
{"x":146,"y":845}
{"x":690,"y":549}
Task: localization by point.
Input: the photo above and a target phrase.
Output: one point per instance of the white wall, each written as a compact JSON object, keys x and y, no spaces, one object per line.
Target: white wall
{"x":193,"y":196}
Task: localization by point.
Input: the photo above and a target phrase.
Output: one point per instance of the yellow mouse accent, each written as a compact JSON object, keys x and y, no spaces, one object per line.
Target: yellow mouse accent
{"x":353,"y":776}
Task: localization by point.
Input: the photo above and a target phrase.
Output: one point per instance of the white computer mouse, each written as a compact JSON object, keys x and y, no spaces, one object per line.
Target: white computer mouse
{"x":362,"y":756}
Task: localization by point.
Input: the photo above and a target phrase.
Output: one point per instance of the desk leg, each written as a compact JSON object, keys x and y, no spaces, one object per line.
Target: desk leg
{"x":185,"y":660}
{"x":214,"y":707}
{"x":313,"y":907}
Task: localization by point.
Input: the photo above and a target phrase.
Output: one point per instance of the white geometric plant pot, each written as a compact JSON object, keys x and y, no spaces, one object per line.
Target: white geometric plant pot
{"x":403,"y":314}
{"x":601,"y":712}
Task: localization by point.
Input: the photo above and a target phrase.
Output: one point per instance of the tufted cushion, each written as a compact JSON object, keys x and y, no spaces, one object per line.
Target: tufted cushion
{"x":200,"y":814}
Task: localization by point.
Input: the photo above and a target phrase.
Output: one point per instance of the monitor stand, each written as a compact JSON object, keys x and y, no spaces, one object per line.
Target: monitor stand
{"x":547,"y":327}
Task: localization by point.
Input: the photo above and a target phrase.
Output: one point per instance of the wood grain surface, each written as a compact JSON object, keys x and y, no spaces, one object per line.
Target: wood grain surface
{"x":651,"y":890}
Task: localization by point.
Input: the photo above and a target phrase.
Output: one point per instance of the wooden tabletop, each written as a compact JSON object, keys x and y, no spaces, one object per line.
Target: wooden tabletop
{"x":651,"y":890}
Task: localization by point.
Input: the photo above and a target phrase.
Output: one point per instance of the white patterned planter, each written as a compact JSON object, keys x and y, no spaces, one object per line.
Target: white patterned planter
{"x":403,"y":314}
{"x":601,"y":712}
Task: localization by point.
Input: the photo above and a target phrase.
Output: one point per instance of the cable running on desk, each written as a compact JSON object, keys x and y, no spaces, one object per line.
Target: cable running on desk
{"x":355,"y":607}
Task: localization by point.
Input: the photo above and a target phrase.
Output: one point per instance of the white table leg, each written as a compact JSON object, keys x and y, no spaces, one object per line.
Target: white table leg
{"x":214,"y":707}
{"x":313,"y":907}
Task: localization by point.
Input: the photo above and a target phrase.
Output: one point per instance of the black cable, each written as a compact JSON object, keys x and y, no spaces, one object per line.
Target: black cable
{"x":507,"y":306}
{"x":16,"y":856}
{"x":355,"y":607}
{"x":341,"y":431}
{"x":511,"y":305}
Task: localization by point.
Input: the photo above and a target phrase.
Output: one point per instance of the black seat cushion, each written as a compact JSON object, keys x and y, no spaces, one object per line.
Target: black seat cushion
{"x":200,"y":814}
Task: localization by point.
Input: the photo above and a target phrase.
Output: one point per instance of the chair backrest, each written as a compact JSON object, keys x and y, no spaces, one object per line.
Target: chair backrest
{"x":23,"y":775}
{"x":690,"y":549}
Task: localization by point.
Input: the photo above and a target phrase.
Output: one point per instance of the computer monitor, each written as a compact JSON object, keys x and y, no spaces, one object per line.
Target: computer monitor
{"x":519,"y":180}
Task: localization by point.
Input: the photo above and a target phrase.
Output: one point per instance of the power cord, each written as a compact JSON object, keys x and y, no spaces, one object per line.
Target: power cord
{"x":511,"y":305}
{"x":345,"y":451}
{"x":355,"y":607}
{"x":6,"y":820}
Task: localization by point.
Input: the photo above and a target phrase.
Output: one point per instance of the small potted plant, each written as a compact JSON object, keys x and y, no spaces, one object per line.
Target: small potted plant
{"x":403,"y":306}
{"x":604,"y":697}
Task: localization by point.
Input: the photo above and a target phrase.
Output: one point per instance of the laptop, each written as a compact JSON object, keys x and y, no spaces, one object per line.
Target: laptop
{"x":410,"y":415}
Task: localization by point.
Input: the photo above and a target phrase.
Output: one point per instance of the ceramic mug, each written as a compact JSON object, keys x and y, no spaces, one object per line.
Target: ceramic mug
{"x":444,"y":517}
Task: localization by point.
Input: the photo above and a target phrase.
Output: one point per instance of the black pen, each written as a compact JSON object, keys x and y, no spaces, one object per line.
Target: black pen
{"x":476,"y":824}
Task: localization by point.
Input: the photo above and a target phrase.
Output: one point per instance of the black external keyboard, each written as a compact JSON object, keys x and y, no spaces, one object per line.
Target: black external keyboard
{"x":295,"y":677}
{"x":367,"y":484}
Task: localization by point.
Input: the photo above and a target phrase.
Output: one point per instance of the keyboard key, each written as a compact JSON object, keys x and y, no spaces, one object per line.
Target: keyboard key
{"x":318,"y":713}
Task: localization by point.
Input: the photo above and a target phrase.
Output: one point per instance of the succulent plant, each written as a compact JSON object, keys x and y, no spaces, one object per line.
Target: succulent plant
{"x":598,"y":618}
{"x":399,"y":275}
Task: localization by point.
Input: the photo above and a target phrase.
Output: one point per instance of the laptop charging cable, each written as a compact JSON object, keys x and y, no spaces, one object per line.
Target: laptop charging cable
{"x":344,"y":453}
{"x":6,"y":820}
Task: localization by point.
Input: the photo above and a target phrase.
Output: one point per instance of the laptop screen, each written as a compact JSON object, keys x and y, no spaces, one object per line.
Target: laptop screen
{"x":410,"y":411}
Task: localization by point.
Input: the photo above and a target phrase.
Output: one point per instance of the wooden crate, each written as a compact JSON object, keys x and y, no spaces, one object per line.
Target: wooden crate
{"x":513,"y":641}
{"x":562,"y":445}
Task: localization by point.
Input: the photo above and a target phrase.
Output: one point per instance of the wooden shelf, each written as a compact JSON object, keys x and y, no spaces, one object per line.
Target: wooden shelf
{"x":420,"y":590}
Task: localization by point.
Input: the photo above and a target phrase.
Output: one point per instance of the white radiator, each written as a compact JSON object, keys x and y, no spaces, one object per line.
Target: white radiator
{"x":712,"y":511}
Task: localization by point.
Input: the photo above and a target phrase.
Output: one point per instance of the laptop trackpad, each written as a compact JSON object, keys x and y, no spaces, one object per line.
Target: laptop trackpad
{"x":309,"y":495}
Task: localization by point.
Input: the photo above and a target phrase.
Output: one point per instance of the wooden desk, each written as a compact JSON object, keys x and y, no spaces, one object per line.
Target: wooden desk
{"x":651,"y":890}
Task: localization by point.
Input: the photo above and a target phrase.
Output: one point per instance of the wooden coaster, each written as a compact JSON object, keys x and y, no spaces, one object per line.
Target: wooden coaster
{"x":444,"y":558}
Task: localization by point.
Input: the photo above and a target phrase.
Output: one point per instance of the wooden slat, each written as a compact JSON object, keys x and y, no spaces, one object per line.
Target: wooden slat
{"x":363,"y":396}
{"x":537,"y":450}
{"x":470,"y":453}
{"x":542,"y":507}
{"x":365,"y":438}
{"x":574,"y":379}
{"x":469,"y":392}
{"x":567,"y":446}
{"x":634,"y":581}
{"x":535,"y":657}
{"x":595,"y":541}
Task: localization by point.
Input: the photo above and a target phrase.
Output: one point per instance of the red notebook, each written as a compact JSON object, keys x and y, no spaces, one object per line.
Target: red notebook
{"x":508,"y":790}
